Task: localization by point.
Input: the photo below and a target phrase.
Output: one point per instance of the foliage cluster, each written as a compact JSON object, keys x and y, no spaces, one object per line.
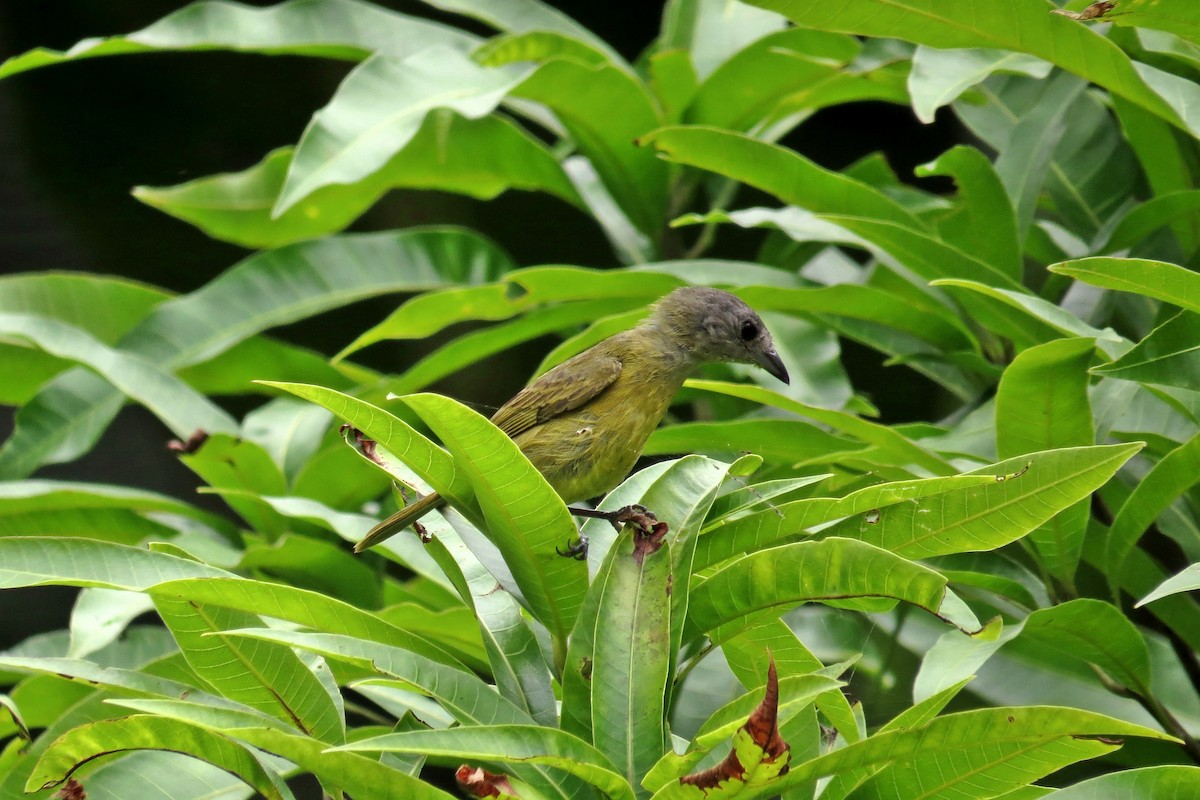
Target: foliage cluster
{"x":1003,"y":586}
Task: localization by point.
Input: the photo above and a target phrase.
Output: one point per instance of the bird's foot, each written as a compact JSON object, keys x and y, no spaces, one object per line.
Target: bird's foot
{"x":643,"y":521}
{"x":577,"y":550}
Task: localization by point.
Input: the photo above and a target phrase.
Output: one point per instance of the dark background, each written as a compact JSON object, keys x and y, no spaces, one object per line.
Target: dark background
{"x":75,"y":138}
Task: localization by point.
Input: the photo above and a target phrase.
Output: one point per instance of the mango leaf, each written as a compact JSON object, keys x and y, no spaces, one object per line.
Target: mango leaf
{"x":1158,"y":489}
{"x":1096,"y":632}
{"x":1184,"y":581}
{"x":632,"y":657}
{"x":604,"y":109}
{"x":361,"y":776}
{"x":1167,"y":282}
{"x":1042,"y":404}
{"x":176,"y":404}
{"x":394,"y":435}
{"x":507,"y":744}
{"x":267,"y":289}
{"x":984,"y":222}
{"x":46,"y":561}
{"x":1026,"y":492}
{"x":1177,"y":209}
{"x":471,"y":701}
{"x":522,"y":290}
{"x":526,"y":520}
{"x":462,"y":694}
{"x":513,"y":653}
{"x":310,"y":609}
{"x":1168,"y":356}
{"x":1005,"y":747}
{"x":519,"y":16}
{"x":729,"y":538}
{"x":348,"y":30}
{"x":33,"y":495}
{"x":140,"y":732}
{"x":1023,"y":27}
{"x":789,"y":441}
{"x":102,"y":306}
{"x":263,"y":675}
{"x":713,"y":30}
{"x":236,"y":207}
{"x":377,"y":111}
{"x":743,"y":93}
{"x":781,"y":172}
{"x":99,"y":616}
{"x":939,"y":77}
{"x":893,"y":444}
{"x":786,"y":576}
{"x":1147,"y":783}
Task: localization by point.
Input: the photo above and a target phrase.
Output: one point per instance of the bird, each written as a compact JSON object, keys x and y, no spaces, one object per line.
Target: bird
{"x":583,"y":424}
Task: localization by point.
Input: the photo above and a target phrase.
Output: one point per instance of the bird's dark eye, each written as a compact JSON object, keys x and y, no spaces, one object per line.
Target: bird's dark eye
{"x":749,"y":330}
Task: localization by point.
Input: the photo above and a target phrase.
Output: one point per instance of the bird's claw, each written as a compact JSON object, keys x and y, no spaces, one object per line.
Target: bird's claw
{"x":636,"y":515}
{"x":577,"y":550}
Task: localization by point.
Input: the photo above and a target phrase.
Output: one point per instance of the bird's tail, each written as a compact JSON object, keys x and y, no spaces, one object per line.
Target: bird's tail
{"x":400,"y":520}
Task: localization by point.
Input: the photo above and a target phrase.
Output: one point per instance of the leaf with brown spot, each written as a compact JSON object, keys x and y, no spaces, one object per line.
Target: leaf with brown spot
{"x":759,"y":753}
{"x":73,"y":790}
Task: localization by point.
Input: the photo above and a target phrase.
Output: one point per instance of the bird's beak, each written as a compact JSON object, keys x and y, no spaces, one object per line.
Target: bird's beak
{"x":773,"y":364}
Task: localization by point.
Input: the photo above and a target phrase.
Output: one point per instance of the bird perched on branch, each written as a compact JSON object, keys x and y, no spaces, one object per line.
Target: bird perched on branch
{"x":584,"y":423}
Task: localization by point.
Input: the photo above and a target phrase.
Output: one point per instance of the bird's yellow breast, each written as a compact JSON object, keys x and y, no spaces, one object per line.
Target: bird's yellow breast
{"x":588,"y":451}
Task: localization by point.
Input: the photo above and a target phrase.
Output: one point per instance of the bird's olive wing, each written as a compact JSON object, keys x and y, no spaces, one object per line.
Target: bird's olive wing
{"x":564,"y":388}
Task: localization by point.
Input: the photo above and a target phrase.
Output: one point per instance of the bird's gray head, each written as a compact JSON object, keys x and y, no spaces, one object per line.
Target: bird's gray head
{"x":712,"y":325}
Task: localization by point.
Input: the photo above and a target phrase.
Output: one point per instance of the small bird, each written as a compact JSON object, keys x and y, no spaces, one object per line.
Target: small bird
{"x":584,"y":423}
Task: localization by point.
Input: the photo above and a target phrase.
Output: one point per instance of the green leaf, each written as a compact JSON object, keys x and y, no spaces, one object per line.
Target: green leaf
{"x":267,"y":289}
{"x":1186,"y":580}
{"x":1158,"y":489}
{"x":521,"y":290}
{"x":180,"y":408}
{"x":377,"y":111}
{"x":1148,"y":783}
{"x":604,"y":109}
{"x":632,"y":656}
{"x":394,"y":435}
{"x":87,"y":742}
{"x":939,"y":77}
{"x":781,"y":172}
{"x":1023,"y":26}
{"x":791,"y":574}
{"x":1042,"y":404}
{"x":764,"y":528}
{"x":526,"y":520}
{"x":357,"y":775}
{"x":442,"y":155}
{"x":508,"y":744}
{"x":310,"y":609}
{"x":513,"y":653}
{"x":263,"y":675}
{"x":1001,"y":748}
{"x":99,"y":616}
{"x":743,"y":93}
{"x":1177,"y":209}
{"x":1024,"y":318}
{"x":1168,"y":356}
{"x":1167,"y":282}
{"x":789,"y":441}
{"x":519,"y":16}
{"x":895,"y":445}
{"x":984,"y":223}
{"x":1098,"y":633}
{"x":1026,"y":493}
{"x":462,"y":694}
{"x":348,"y":30}
{"x":714,"y":30}
{"x":46,"y":561}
